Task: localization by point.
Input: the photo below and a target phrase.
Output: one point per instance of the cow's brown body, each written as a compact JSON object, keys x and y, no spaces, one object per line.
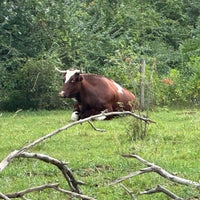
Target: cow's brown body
{"x":95,"y":93}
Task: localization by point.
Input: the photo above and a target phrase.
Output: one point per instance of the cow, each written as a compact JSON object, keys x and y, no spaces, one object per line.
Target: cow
{"x":94,"y":94}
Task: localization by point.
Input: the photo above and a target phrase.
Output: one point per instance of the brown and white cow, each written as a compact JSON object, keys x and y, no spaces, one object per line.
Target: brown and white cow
{"x":94,"y":94}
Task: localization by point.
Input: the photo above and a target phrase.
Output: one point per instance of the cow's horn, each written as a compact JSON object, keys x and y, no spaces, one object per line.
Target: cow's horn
{"x":61,"y":71}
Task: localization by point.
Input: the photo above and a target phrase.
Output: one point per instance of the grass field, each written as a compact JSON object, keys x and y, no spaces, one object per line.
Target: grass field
{"x":95,"y":157}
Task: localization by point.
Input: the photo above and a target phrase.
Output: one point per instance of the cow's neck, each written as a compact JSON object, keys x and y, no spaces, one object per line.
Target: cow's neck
{"x":78,"y":97}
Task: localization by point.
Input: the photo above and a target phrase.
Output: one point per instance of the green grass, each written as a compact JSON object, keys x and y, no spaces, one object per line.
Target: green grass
{"x":172,"y":143}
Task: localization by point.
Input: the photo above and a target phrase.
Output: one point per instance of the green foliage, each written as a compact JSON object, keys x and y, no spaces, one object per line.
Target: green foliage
{"x":123,"y":67}
{"x":34,"y":86}
{"x":193,"y":90}
{"x":136,"y":129}
{"x":99,"y":37}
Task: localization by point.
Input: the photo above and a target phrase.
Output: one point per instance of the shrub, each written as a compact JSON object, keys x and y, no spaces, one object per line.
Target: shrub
{"x":36,"y":86}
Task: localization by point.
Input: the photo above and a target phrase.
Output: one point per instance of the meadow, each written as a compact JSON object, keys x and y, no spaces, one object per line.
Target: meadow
{"x":95,"y":157}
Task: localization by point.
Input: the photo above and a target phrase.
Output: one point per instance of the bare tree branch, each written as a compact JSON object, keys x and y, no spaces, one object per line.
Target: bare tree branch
{"x":73,"y":184}
{"x":15,"y":153}
{"x":164,"y":173}
{"x":80,"y":196}
{"x":160,"y":188}
{"x":96,"y":129}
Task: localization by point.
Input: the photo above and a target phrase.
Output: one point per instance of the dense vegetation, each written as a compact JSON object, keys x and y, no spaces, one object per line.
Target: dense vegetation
{"x":99,"y":36}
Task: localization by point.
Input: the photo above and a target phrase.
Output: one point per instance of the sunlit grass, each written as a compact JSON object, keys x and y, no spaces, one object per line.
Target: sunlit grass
{"x":95,"y":157}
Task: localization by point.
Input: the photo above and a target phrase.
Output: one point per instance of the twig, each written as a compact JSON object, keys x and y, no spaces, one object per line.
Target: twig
{"x":36,"y":81}
{"x":96,"y":129}
{"x":80,"y":196}
{"x":129,"y":192}
{"x":15,"y":114}
{"x":160,"y":188}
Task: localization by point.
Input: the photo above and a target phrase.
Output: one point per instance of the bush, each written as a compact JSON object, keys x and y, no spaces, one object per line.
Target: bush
{"x":36,"y":86}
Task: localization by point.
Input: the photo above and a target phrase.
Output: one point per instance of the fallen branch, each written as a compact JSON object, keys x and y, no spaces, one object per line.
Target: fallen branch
{"x":164,"y":173}
{"x":15,"y":153}
{"x":54,"y":186}
{"x":73,"y":184}
{"x":160,"y":188}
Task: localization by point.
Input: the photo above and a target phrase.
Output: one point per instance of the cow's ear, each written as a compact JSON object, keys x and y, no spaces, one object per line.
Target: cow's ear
{"x":79,"y":77}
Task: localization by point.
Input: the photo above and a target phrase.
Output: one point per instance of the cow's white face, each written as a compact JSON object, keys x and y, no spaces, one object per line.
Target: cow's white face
{"x":71,"y":86}
{"x":70,"y":73}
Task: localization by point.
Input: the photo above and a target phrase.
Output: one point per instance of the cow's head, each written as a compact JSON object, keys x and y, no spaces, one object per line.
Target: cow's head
{"x":72,"y":83}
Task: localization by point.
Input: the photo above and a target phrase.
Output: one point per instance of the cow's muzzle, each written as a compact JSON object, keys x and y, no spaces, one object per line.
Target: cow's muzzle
{"x":62,"y":94}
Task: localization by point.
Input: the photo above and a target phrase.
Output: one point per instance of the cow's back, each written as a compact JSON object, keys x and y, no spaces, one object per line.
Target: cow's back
{"x":97,"y":89}
{"x":101,"y":92}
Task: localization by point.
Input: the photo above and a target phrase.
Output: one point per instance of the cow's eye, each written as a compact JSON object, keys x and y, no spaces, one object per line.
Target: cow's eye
{"x":72,"y":81}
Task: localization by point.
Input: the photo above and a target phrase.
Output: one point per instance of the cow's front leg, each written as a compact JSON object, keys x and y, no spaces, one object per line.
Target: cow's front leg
{"x":87,"y":113}
{"x":92,"y":112}
{"x":76,"y":112}
{"x":109,"y":108}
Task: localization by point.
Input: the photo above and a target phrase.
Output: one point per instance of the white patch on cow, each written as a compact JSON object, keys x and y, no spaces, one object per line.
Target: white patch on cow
{"x":74,"y":100}
{"x":61,"y":93}
{"x":119,"y":88}
{"x":74,"y":116}
{"x":100,"y":118}
{"x":70,"y":73}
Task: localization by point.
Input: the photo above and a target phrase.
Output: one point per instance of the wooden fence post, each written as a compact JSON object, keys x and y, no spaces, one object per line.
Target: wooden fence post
{"x":142,"y":84}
